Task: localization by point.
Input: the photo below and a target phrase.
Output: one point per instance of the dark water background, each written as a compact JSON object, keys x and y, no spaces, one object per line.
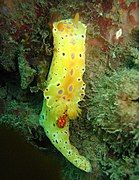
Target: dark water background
{"x":20,"y":160}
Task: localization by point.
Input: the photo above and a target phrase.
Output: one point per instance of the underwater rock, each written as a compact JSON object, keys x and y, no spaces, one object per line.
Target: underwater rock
{"x":115,"y":109}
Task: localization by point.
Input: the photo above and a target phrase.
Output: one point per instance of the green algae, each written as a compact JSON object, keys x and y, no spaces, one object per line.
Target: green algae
{"x":26,"y":72}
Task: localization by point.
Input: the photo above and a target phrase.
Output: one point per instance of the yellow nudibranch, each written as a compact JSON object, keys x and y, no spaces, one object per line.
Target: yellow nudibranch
{"x":65,"y":88}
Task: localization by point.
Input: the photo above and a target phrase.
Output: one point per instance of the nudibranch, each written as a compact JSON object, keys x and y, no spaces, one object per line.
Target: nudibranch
{"x":65,"y":88}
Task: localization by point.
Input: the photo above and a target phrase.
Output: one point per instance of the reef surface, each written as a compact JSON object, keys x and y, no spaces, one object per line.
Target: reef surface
{"x":107,"y":131}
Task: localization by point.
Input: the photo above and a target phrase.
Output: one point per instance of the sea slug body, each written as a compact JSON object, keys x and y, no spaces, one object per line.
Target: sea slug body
{"x":65,"y":88}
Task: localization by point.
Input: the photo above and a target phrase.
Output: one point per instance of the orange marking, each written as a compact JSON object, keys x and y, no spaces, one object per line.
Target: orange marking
{"x":61,"y":122}
{"x":60,"y":26}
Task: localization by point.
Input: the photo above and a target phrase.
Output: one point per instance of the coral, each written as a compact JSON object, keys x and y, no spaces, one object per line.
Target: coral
{"x":114,"y":113}
{"x":120,"y":92}
{"x":25,"y":34}
{"x":21,"y":114}
{"x":134,"y":57}
{"x":26,"y":72}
